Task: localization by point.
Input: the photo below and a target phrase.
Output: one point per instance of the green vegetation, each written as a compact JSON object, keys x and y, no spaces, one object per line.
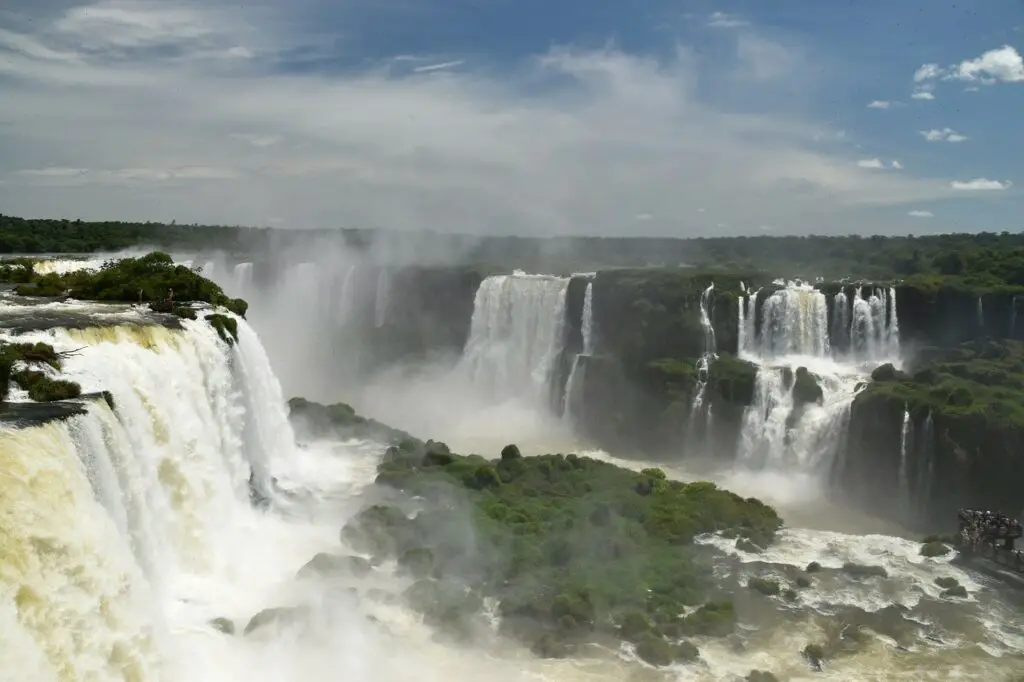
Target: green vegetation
{"x":153,"y":278}
{"x":572,"y":548}
{"x":341,"y":421}
{"x":39,"y":385}
{"x":227,"y":327}
{"x":978,"y":382}
{"x":970,"y":260}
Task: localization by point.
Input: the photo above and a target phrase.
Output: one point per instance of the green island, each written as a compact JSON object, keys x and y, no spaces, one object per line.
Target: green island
{"x":153,"y":279}
{"x":574,"y":550}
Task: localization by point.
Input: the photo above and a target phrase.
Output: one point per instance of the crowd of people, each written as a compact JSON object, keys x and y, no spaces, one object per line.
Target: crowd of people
{"x":978,"y":526}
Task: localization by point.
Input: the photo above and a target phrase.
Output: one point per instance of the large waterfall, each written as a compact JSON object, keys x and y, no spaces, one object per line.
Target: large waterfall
{"x":108,"y":520}
{"x":782,"y":431}
{"x":516,"y":337}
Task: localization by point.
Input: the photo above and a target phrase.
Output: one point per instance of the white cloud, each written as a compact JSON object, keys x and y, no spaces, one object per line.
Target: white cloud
{"x":927,"y":72}
{"x":922,"y":94}
{"x":723,"y":20}
{"x":1002,"y":64}
{"x":942,"y":135}
{"x":896,"y":164}
{"x":879,"y":104}
{"x":439,"y":66}
{"x":870,"y":163}
{"x":980,"y":185}
{"x":137,"y":111}
{"x":916,"y":213}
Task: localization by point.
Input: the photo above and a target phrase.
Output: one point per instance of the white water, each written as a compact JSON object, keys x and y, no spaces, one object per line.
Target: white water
{"x":701,"y":413}
{"x":778,"y":434}
{"x":382,"y":300}
{"x":906,"y":444}
{"x":516,"y":336}
{"x":574,"y":386}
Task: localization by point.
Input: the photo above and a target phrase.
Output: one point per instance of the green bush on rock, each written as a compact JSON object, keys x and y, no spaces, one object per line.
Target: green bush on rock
{"x":570,"y":547}
{"x":39,"y":385}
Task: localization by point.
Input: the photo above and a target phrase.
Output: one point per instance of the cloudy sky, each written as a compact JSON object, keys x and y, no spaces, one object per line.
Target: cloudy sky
{"x":517,"y":116}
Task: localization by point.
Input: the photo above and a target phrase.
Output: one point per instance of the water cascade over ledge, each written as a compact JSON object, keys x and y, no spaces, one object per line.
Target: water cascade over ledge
{"x":808,"y":373}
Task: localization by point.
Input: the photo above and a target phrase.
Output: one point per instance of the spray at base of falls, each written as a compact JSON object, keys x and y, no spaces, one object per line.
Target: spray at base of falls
{"x":781,"y":431}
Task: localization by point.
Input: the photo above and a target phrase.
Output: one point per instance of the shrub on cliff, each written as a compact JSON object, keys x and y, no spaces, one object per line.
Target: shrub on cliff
{"x":571,"y":547}
{"x":150,"y":278}
{"x":40,"y":386}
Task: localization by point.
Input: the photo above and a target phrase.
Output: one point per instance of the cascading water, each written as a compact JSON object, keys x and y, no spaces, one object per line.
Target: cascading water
{"x":574,"y":386}
{"x":107,"y":520}
{"x":700,"y":412}
{"x":906,"y":445}
{"x":924,"y":464}
{"x":382,"y":300}
{"x":781,"y":429}
{"x":516,"y":336}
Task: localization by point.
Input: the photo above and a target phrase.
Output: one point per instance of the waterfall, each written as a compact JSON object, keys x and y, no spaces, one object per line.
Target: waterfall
{"x":587,"y":323}
{"x":383,"y":298}
{"x":874,"y":328}
{"x":517,"y":334}
{"x":698,"y":407}
{"x":574,"y":386}
{"x":241,"y":277}
{"x":121,"y":525}
{"x":840,"y":332}
{"x":925,"y":466}
{"x":794,"y":322}
{"x":781,"y":433}
{"x":747,"y":328}
{"x":980,"y":313}
{"x":906,"y":438}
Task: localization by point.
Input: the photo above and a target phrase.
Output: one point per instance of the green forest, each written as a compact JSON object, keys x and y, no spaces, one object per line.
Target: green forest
{"x":983,"y":259}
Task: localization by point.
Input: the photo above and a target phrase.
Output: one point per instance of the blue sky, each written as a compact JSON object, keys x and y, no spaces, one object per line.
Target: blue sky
{"x":529,"y":117}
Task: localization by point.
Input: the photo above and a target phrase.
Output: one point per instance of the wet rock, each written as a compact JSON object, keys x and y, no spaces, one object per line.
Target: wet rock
{"x":813,"y":567}
{"x":958,"y":591}
{"x":947,"y":582}
{"x":806,"y":388}
{"x":326,"y":565}
{"x":656,"y":651}
{"x":815,"y":656}
{"x":760,"y":676}
{"x":283,"y":615}
{"x":765,"y":586}
{"x":934,"y":549}
{"x":745,"y":545}
{"x":864,"y":571}
{"x":803,"y":582}
{"x":225,"y":625}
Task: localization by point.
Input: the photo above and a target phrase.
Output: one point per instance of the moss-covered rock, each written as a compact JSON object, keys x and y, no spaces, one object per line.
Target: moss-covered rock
{"x":227,"y":327}
{"x":806,"y":388}
{"x":765,"y":586}
{"x":934,"y":549}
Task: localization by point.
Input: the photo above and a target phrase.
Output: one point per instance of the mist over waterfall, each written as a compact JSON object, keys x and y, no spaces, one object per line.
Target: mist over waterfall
{"x":517,"y":334}
{"x":314,"y":316}
{"x":790,"y":427}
